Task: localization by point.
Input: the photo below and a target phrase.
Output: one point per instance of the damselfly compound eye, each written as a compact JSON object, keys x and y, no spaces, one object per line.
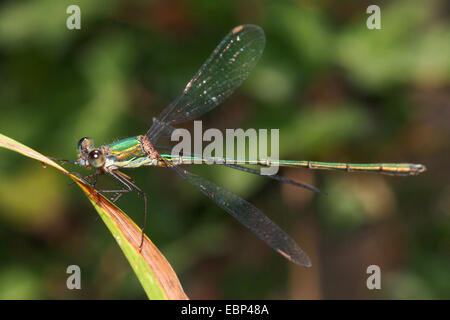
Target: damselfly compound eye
{"x":96,"y":158}
{"x":80,"y":143}
{"x":85,"y":144}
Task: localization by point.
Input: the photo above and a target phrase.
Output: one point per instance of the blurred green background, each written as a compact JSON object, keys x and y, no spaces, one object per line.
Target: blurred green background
{"x":336,"y":90}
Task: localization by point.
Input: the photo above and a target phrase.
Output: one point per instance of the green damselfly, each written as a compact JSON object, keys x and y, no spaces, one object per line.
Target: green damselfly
{"x":225,"y":69}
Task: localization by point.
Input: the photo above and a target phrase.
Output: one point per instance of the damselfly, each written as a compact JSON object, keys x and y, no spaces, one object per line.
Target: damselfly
{"x":225,"y":69}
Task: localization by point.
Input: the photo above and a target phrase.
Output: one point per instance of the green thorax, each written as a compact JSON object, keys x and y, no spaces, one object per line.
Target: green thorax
{"x":125,"y":145}
{"x":126,"y":153}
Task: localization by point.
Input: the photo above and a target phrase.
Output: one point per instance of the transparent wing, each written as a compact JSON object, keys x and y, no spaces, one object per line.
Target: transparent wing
{"x":249,"y":216}
{"x":225,"y":70}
